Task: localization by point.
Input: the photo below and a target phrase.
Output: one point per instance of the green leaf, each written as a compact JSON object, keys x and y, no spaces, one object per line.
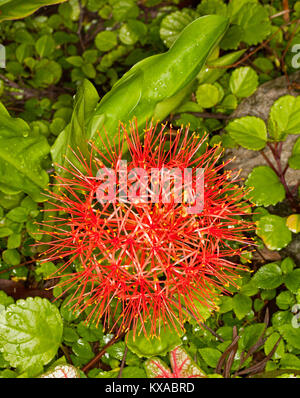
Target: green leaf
{"x":133,"y":372}
{"x":18,"y":214}
{"x":15,"y":9}
{"x":207,"y":95}
{"x":274,"y":232}
{"x":292,"y":281}
{"x":232,"y":38}
{"x":284,"y":117}
{"x":294,"y":160}
{"x":285,"y":300}
{"x":243,"y":81}
{"x":151,"y":346}
{"x":132,"y":31}
{"x":11,"y":257}
{"x":45,"y":46}
{"x":124,"y":10}
{"x":106,"y":40}
{"x":291,"y":335}
{"x":268,"y":276}
{"x":252,"y":18}
{"x":21,"y":153}
{"x":250,"y":132}
{"x":208,"y":7}
{"x":173,"y":24}
{"x":270,"y":343}
{"x":242,"y":305}
{"x":287,"y":265}
{"x":267,"y":188}
{"x":293,"y":223}
{"x":30,"y":332}
{"x":83,"y":349}
{"x":210,"y":355}
{"x":250,"y":335}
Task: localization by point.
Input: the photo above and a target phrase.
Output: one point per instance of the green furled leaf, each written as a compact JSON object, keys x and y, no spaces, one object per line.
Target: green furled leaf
{"x":267,"y":188}
{"x":255,"y":22}
{"x":250,"y":132}
{"x":292,"y":281}
{"x":151,"y":346}
{"x":294,"y":160}
{"x":284,"y":117}
{"x":242,"y":305}
{"x":16,"y":9}
{"x":213,"y":70}
{"x":274,"y":232}
{"x":74,"y":135}
{"x":30,"y":332}
{"x":243,"y":81}
{"x":21,"y":153}
{"x":172,"y":25}
{"x":293,"y":223}
{"x":106,"y":40}
{"x":268,"y":276}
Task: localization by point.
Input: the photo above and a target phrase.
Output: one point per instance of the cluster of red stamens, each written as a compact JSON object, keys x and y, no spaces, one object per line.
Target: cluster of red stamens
{"x":147,"y":263}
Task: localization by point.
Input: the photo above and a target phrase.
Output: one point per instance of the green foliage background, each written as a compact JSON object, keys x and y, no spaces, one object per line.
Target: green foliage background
{"x":51,"y":52}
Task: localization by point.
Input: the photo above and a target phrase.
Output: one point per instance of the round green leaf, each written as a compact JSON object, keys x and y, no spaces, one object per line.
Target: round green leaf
{"x":173,"y":24}
{"x":243,"y":81}
{"x":207,"y":95}
{"x":274,"y":232}
{"x":106,"y":41}
{"x":267,"y":188}
{"x":30,"y":332}
{"x":250,"y":132}
{"x":293,"y":223}
{"x":268,"y":276}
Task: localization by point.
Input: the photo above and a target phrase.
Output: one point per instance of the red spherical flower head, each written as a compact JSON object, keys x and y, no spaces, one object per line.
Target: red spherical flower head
{"x":154,"y":235}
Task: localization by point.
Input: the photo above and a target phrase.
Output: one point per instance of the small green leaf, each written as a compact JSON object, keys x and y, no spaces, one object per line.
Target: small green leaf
{"x":250,"y":335}
{"x":243,"y":81}
{"x":173,"y":24}
{"x":284,"y":117}
{"x":285,"y":300}
{"x":30,"y":332}
{"x":45,"y":46}
{"x":267,"y":188}
{"x":292,"y":281}
{"x":270,"y":343}
{"x":207,"y":95}
{"x":290,"y":334}
{"x":151,"y":346}
{"x":242,"y":305}
{"x":268,"y":276}
{"x":250,"y":132}
{"x":293,"y":223}
{"x":274,"y":232}
{"x":287,"y":265}
{"x":106,"y":40}
{"x":210,"y":355}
